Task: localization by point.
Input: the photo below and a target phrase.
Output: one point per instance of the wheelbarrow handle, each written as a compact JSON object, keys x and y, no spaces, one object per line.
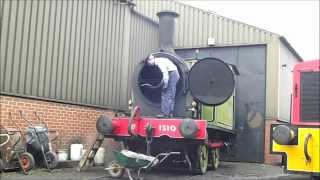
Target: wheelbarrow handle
{"x":40,"y":121}
{"x":168,"y":154}
{"x":113,"y":168}
{"x":19,"y":131}
{"x":14,"y":122}
{"x":18,"y":140}
{"x":56,"y":134}
{"x":6,"y":141}
{"x":22,"y":117}
{"x":165,"y":156}
{"x":12,"y":132}
{"x":174,"y":153}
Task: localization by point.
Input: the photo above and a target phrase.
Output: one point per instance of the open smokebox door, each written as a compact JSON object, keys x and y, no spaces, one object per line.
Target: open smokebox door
{"x":150,"y":82}
{"x":211,"y":81}
{"x":147,"y":82}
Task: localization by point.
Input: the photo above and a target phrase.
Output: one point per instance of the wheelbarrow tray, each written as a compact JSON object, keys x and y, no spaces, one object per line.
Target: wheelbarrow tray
{"x":129,"y":159}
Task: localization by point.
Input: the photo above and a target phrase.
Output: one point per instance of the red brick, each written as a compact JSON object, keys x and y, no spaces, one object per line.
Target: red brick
{"x":69,"y":120}
{"x":270,"y":158}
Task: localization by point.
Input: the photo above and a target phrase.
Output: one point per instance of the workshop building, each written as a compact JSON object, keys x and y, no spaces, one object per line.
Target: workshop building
{"x":72,"y":61}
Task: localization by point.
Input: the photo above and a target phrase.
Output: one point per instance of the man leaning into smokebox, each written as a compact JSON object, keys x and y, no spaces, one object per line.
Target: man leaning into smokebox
{"x":170,"y":77}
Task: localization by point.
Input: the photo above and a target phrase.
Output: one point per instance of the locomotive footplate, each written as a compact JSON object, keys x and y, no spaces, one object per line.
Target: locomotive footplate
{"x":137,"y":125}
{"x":172,"y":128}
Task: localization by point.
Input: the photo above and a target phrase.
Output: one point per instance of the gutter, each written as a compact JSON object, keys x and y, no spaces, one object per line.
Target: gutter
{"x":132,"y":6}
{"x":291,"y":49}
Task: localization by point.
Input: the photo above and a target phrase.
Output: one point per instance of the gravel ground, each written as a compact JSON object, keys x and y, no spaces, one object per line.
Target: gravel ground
{"x":227,"y":171}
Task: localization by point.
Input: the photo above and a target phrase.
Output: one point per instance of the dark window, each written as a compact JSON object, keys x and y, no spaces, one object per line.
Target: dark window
{"x":310,"y":97}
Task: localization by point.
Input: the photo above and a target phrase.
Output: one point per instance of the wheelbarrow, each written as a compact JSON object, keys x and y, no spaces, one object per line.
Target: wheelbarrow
{"x":38,"y":143}
{"x":12,"y":154}
{"x":129,"y":160}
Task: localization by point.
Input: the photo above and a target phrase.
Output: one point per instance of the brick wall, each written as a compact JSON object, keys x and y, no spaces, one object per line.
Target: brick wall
{"x":71,"y":121}
{"x":270,"y":158}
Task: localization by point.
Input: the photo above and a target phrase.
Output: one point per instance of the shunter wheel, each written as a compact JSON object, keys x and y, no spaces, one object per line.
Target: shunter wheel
{"x":215,"y":158}
{"x":27,"y":161}
{"x":117,"y":172}
{"x":199,"y":160}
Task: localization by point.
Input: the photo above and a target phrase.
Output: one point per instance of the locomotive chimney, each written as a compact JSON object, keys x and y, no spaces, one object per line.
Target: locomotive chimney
{"x":167,"y":29}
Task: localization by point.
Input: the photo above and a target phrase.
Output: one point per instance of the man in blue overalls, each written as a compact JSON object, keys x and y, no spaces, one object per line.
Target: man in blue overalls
{"x":170,"y":77}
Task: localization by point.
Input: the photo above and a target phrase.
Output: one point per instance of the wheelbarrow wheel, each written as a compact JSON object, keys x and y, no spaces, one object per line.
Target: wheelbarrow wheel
{"x":27,"y":161}
{"x":51,"y":159}
{"x":115,"y":171}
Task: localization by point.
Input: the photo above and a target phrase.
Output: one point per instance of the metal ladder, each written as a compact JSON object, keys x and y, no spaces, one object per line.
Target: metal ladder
{"x":88,"y":157}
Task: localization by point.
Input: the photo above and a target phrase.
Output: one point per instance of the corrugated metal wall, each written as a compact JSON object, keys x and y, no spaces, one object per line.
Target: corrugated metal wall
{"x":77,"y":50}
{"x":143,"y":38}
{"x":74,"y":51}
{"x":195,"y":26}
{"x":202,"y":25}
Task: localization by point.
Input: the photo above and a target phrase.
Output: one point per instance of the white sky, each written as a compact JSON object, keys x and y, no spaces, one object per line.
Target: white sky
{"x":297,"y":20}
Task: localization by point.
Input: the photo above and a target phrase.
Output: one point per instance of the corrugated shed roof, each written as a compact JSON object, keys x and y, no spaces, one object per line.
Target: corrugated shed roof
{"x":203,"y":24}
{"x":291,"y":49}
{"x":234,"y":20}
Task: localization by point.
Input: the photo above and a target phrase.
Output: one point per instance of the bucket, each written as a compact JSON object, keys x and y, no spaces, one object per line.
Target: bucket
{"x":99,"y":157}
{"x":62,"y":154}
{"x":76,"y":152}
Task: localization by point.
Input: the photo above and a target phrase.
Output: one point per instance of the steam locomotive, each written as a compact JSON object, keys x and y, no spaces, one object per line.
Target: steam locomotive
{"x":204,"y":85}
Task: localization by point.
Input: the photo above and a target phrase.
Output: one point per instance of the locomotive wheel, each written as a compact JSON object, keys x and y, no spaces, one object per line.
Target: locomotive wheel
{"x":199,"y":161}
{"x":27,"y":161}
{"x":52,"y":159}
{"x":215,"y":158}
{"x":117,"y":172}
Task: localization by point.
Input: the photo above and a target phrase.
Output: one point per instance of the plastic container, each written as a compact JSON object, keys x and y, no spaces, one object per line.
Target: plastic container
{"x":76,"y":152}
{"x":62,"y":154}
{"x":99,"y":157}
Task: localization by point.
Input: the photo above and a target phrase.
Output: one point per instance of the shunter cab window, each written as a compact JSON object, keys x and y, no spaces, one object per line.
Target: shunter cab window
{"x":310,"y":97}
